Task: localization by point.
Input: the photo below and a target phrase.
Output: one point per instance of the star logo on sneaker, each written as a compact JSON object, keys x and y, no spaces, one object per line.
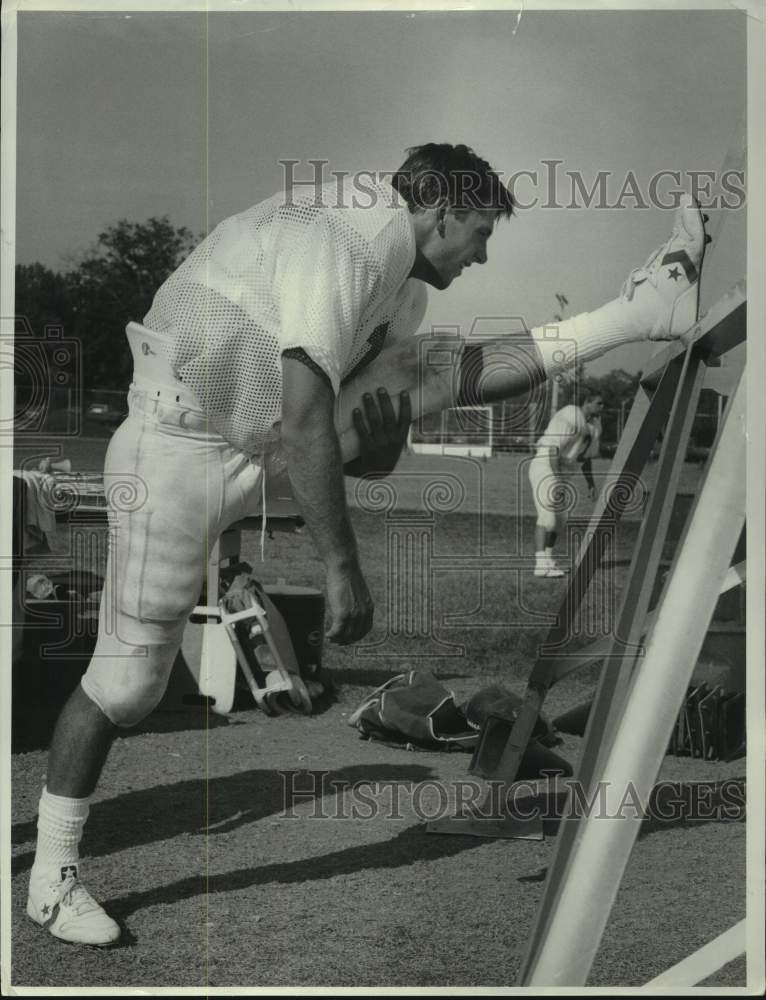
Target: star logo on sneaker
{"x":68,"y":871}
{"x":682,"y":257}
{"x":46,"y":910}
{"x":675,"y":274}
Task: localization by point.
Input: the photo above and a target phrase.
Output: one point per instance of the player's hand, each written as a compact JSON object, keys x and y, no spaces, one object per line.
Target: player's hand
{"x":350,"y":605}
{"x":382,"y":434}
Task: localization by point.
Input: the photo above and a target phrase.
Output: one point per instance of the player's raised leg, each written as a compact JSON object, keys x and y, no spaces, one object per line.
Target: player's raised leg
{"x":659,"y":301}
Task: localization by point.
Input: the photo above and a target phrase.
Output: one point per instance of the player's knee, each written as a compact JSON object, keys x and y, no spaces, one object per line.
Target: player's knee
{"x":132,"y":704}
{"x":129,"y":703}
{"x":129,"y":689}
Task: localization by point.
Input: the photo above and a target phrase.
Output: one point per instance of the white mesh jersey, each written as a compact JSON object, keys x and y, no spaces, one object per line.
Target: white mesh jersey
{"x":565,"y":435}
{"x":318,"y":272}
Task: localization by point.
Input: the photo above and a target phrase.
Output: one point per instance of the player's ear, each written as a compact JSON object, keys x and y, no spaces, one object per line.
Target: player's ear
{"x":441,"y":226}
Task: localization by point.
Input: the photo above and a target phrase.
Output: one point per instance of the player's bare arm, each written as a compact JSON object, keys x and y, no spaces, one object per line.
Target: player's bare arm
{"x":315,"y":469}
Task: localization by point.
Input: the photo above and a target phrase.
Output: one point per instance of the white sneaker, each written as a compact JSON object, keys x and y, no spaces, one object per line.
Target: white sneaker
{"x":667,"y":286}
{"x":548,"y":569}
{"x":60,"y":903}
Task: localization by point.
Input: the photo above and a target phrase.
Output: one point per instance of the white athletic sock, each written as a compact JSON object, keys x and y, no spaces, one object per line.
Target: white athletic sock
{"x":548,"y":552}
{"x":587,"y":336}
{"x":540,"y":557}
{"x":59,"y":828}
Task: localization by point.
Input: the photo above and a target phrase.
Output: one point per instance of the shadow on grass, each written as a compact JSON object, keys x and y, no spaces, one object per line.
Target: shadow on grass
{"x":672,"y":805}
{"x":182,"y":710}
{"x":406,"y":848}
{"x":695,"y":803}
{"x":218,"y":806}
{"x":33,"y":732}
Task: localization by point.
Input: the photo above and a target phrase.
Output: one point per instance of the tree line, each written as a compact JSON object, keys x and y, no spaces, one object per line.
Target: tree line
{"x":114,"y":282}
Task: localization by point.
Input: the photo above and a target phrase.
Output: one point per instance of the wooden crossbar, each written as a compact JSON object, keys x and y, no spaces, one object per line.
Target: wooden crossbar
{"x":704,"y":962}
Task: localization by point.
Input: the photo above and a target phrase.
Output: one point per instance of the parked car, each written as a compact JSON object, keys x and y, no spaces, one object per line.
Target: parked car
{"x":105,"y":413}
{"x":513,"y":443}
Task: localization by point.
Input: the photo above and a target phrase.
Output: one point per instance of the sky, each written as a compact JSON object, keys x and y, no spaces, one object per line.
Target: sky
{"x":189,"y":115}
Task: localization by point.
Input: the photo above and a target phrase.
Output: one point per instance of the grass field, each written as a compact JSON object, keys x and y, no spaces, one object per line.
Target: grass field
{"x":497,"y":485}
{"x":217,"y":884}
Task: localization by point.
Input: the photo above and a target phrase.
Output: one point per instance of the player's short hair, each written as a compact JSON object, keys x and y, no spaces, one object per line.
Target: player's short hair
{"x":438,"y":173}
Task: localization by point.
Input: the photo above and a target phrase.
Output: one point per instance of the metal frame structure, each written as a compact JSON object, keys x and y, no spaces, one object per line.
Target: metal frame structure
{"x":649,"y":658}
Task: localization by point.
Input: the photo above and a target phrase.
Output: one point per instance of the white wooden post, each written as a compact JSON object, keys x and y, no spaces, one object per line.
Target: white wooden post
{"x":565,"y":952}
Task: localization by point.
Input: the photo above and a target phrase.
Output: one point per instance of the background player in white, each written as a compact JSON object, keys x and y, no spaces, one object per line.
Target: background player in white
{"x":591,"y":449}
{"x":264,"y":322}
{"x":563,"y":448}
